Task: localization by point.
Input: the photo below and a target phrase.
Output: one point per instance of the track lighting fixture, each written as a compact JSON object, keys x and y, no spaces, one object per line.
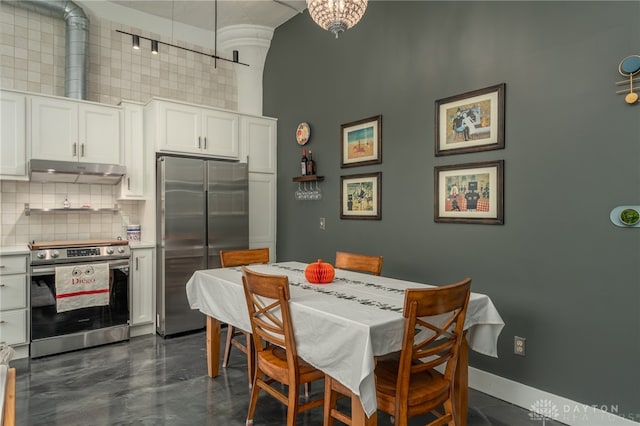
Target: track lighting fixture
{"x":156,"y":43}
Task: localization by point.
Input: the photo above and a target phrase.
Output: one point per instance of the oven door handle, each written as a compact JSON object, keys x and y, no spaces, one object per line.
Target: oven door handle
{"x":37,"y":271}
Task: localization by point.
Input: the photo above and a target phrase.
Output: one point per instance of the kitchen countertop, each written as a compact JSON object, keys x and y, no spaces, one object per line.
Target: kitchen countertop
{"x":141,"y":244}
{"x":9,"y":250}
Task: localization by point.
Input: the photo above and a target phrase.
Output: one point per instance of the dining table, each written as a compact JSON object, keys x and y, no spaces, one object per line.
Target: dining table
{"x":340,"y":327}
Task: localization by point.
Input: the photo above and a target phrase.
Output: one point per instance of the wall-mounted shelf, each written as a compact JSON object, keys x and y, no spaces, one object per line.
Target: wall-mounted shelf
{"x":28,"y":210}
{"x":308,"y":192}
{"x":308,"y":178}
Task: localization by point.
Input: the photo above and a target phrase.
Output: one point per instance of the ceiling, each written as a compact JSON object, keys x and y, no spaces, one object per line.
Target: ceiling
{"x":201,"y":13}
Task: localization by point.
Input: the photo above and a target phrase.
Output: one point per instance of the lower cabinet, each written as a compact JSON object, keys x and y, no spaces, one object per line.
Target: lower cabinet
{"x":14,"y":306}
{"x":142,"y":291}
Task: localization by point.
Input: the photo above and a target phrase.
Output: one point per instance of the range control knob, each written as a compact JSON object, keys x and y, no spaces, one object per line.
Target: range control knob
{"x":55,"y":254}
{"x":120,"y":250}
{"x":109,"y":250}
{"x":41,"y":255}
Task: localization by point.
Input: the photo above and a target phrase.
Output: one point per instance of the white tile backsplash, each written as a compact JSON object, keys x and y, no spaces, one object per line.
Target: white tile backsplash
{"x":17,"y":228}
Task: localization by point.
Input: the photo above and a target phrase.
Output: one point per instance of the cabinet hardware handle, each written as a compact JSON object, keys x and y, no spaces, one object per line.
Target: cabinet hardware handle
{"x":205,"y":142}
{"x":199,"y":142}
{"x":75,"y":149}
{"x":3,"y":285}
{"x":2,"y":266}
{"x":82,"y":150}
{"x":2,"y":321}
{"x":137,"y":263}
{"x":129,"y":184}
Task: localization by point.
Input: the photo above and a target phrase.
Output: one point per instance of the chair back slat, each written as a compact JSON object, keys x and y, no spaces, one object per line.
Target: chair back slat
{"x":359,"y":262}
{"x":438,"y":315}
{"x":268,"y":303}
{"x":229,"y":258}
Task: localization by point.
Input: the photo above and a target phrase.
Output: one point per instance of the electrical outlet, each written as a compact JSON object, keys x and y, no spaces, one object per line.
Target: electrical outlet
{"x":519,"y":345}
{"x":322,"y":223}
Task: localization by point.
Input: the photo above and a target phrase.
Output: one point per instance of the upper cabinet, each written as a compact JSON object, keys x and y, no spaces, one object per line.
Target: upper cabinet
{"x":194,"y":130}
{"x":13,"y":142}
{"x":68,"y":130}
{"x":133,"y":150}
{"x":258,"y":142}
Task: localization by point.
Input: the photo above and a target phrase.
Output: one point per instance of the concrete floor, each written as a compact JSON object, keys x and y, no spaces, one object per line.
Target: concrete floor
{"x":154,"y":381}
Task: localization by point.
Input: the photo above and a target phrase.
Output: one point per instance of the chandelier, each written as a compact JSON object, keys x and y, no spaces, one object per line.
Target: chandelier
{"x":336,"y":16}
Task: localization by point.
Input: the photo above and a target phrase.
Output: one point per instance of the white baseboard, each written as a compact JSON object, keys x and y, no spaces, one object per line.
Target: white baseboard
{"x":552,"y":406}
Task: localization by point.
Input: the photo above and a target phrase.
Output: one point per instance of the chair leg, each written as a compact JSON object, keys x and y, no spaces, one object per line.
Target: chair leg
{"x":251,"y":358}
{"x":307,"y":390}
{"x":292,"y":405}
{"x":227,"y":345}
{"x":330,"y":400}
{"x":255,"y":390}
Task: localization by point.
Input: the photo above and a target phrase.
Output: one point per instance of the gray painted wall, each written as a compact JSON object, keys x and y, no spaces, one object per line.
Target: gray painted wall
{"x":559,"y":272}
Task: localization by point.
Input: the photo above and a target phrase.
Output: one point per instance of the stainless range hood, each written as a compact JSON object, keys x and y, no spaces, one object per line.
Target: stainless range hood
{"x":75,"y":172}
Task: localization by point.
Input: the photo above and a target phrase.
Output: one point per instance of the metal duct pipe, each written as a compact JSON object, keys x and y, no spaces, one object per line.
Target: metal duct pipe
{"x":76,"y":44}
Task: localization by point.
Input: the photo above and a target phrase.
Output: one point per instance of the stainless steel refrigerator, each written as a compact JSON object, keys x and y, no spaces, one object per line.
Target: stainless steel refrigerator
{"x":202,"y":208}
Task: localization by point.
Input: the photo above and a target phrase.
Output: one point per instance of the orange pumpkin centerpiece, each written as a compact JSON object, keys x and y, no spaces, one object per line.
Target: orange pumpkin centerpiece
{"x":319,"y":272}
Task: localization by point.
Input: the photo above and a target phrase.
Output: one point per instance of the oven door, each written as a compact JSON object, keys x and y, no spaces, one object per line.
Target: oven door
{"x":47,"y":322}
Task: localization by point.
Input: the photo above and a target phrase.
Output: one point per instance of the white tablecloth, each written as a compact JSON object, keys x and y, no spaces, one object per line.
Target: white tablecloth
{"x":339,"y":327}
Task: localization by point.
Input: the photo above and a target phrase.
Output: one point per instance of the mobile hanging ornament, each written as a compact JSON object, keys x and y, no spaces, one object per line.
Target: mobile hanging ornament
{"x":629,"y":67}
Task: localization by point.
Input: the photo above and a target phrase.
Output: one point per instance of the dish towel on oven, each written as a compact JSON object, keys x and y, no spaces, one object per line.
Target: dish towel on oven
{"x":82,"y":286}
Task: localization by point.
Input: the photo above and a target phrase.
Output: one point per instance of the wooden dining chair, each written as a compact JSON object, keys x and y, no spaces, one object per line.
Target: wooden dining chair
{"x":268,"y":304}
{"x":359,"y":262}
{"x":229,"y":258}
{"x":408,"y":384}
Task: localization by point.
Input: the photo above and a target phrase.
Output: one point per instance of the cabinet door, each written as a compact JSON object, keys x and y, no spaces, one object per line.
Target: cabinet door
{"x":132,"y":185}
{"x":13,"y":291}
{"x":13,"y":143}
{"x":13,"y":326}
{"x":54,"y":129}
{"x":178,"y":128}
{"x":262,"y":211}
{"x":142,"y":301}
{"x":258,"y":135}
{"x":220,"y":131}
{"x":99,"y":135}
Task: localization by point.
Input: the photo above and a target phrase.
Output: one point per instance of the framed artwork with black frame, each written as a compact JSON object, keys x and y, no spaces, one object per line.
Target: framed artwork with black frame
{"x":360,"y":196}
{"x":470,"y":122}
{"x":470,"y":193}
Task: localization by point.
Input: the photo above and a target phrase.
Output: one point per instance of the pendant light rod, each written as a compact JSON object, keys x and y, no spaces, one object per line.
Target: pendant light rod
{"x":214,"y":56}
{"x":215,"y":35}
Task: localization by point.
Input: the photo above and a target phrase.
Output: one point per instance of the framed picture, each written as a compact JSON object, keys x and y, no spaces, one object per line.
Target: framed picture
{"x":470,"y":122}
{"x":361,"y":142}
{"x":470,"y":193}
{"x":360,"y":196}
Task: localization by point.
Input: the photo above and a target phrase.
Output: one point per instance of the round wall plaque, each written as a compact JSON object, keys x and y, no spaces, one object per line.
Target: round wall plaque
{"x":303,"y":133}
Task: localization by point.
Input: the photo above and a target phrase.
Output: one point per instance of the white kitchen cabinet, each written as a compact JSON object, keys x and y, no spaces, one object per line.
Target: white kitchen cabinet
{"x":13,"y":140}
{"x":69,"y":130}
{"x":192,"y":129}
{"x":14,"y":303}
{"x":133,"y":150}
{"x":258,"y":142}
{"x":142,"y":289}
{"x":262,"y":212}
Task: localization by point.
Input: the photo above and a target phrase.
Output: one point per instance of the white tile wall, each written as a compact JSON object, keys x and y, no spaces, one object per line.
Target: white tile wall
{"x":18,"y":228}
{"x":32,"y":50}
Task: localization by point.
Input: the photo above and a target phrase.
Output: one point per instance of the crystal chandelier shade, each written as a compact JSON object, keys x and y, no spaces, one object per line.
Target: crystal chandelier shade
{"x":336,"y":16}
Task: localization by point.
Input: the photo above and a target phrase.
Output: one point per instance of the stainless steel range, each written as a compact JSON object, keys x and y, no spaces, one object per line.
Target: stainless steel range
{"x":79,"y":294}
